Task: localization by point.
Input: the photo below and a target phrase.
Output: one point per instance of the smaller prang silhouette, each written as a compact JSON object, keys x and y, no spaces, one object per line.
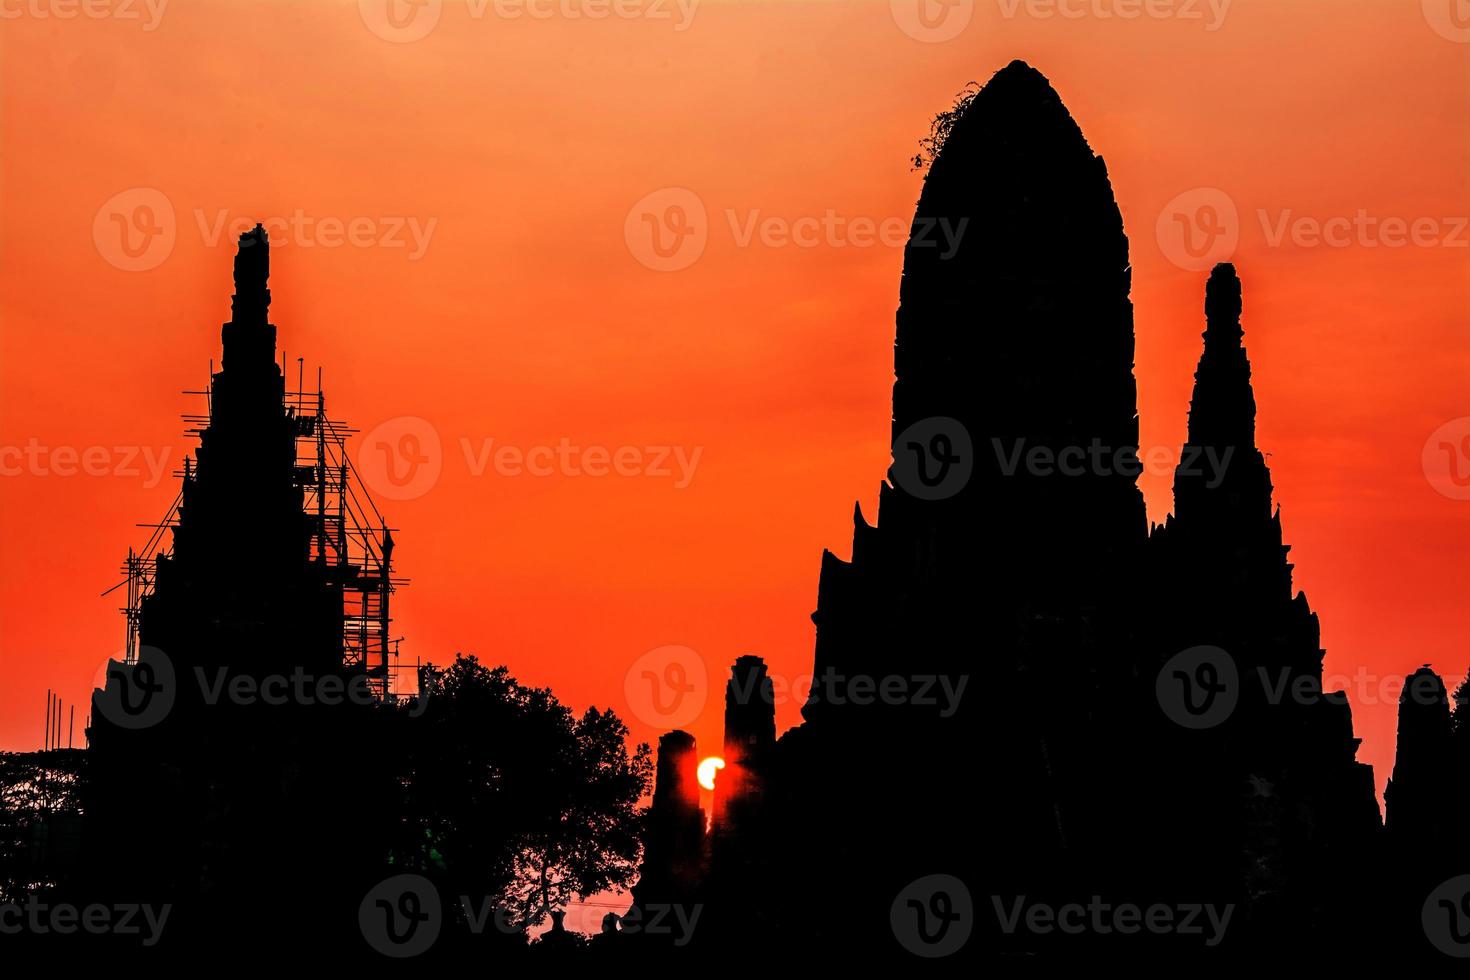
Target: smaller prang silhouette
{"x":221,"y":797}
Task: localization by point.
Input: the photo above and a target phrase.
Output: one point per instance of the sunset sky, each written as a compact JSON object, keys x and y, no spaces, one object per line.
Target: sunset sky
{"x":460,"y":242}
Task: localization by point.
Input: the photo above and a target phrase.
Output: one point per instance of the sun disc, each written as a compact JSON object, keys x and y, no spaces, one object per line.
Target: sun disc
{"x":707,"y":770}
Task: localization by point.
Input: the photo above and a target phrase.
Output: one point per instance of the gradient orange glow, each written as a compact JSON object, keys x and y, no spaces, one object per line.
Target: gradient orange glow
{"x":520,"y":146}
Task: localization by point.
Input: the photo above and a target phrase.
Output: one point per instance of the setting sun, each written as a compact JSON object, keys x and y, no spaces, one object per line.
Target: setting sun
{"x":707,"y":770}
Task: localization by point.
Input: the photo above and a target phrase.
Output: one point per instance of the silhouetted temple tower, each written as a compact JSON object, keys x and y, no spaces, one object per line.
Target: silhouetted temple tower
{"x":279,"y":561}
{"x":278,"y":574}
{"x":1025,"y":336}
{"x":1418,"y":798}
{"x":1426,"y":802}
{"x":249,"y":332}
{"x":1223,"y":569}
{"x":673,"y":845}
{"x":1270,"y":797}
{"x":1013,"y":353}
{"x":1222,"y":487}
{"x":240,"y":587}
{"x":1225,"y":573}
{"x":1019,"y":339}
{"x":750,"y":735}
{"x":1011,"y":561}
{"x":742,"y":867}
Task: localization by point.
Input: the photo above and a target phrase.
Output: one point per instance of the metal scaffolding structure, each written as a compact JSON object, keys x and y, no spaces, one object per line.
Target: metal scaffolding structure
{"x":349,"y":545}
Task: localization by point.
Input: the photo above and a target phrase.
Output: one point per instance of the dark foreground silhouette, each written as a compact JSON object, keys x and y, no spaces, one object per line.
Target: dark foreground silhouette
{"x":1038,"y":729}
{"x":1142,"y":761}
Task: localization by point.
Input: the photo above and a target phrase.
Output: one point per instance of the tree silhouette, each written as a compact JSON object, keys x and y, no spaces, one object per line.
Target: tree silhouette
{"x":38,"y":798}
{"x":511,"y":795}
{"x":941,"y":125}
{"x":1461,"y":716}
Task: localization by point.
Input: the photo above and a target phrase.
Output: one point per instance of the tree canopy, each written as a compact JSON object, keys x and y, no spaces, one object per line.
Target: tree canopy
{"x":510,"y":795}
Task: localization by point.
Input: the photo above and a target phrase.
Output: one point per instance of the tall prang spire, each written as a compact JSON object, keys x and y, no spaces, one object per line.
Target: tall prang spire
{"x":249,"y":339}
{"x":1225,"y":582}
{"x":1010,"y":532}
{"x":1222,"y":412}
{"x":1222,"y":484}
{"x":252,"y":272}
{"x":1015,"y":330}
{"x":1225,"y":402}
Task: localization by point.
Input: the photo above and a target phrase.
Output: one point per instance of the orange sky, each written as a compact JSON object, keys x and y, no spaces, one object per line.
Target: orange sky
{"x":517,"y":146}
